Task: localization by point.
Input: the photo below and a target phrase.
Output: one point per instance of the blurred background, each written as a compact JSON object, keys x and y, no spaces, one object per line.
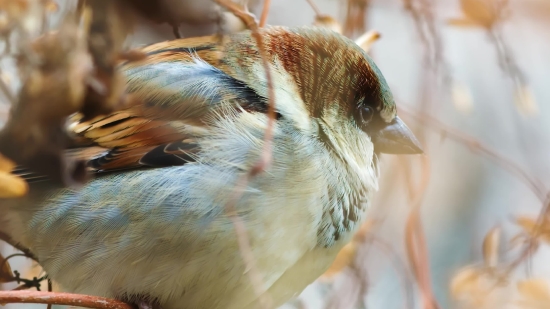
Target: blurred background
{"x":480,"y":70}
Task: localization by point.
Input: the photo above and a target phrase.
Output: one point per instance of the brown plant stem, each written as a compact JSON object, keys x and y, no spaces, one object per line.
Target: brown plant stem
{"x":7,"y":239}
{"x":6,"y":91}
{"x":265,"y":13}
{"x":67,"y":299}
{"x":265,"y":159}
{"x":476,"y":146}
{"x":534,"y":184}
{"x":415,"y":239}
{"x":314,"y":7}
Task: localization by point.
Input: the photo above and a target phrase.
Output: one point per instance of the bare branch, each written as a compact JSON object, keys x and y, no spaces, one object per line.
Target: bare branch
{"x":55,"y":298}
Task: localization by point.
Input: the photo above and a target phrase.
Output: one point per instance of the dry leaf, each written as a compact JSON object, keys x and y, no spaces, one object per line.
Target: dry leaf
{"x":463,"y":22}
{"x":328,"y":22}
{"x":6,"y":165}
{"x":6,"y":274}
{"x":343,"y":259}
{"x":464,"y":282}
{"x":364,"y":230}
{"x":51,"y":6}
{"x":346,"y":256}
{"x":525,"y":101}
{"x":231,"y":23}
{"x":518,"y":240}
{"x":132,"y":55}
{"x":477,"y":287}
{"x":491,"y":245}
{"x":527,"y":223}
{"x":462,"y":98}
{"x":34,"y":270}
{"x":5,"y":76}
{"x":366,"y":40}
{"x":12,"y":186}
{"x":535,"y":294}
{"x":482,"y":12}
{"x":531,"y":227}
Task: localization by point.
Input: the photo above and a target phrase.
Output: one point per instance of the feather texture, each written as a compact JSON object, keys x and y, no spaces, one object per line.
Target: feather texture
{"x":162,"y":234}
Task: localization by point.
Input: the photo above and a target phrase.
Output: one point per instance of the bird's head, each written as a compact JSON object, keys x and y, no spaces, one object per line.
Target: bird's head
{"x":324,"y":77}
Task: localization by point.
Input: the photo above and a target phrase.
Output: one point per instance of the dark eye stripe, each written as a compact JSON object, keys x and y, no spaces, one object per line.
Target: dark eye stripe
{"x":187,"y":50}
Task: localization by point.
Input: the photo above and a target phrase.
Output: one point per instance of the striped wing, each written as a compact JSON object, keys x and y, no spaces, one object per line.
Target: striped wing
{"x":176,"y":89}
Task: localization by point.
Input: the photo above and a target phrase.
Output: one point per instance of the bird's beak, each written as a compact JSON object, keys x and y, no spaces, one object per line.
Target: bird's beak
{"x":396,"y":138}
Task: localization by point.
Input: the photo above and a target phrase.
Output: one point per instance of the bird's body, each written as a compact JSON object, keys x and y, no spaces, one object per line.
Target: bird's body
{"x":164,"y":234}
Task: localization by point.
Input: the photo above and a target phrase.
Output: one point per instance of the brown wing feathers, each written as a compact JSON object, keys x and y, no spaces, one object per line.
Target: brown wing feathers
{"x":129,"y":138}
{"x":154,"y":132}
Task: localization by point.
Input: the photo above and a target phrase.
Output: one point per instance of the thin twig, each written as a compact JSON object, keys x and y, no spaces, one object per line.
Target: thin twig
{"x":533,"y":243}
{"x":55,"y":298}
{"x":422,"y":14}
{"x":400,"y":268}
{"x":264,"y":161}
{"x":356,"y":15}
{"x":176,"y":31}
{"x":397,"y":263}
{"x":476,"y":146}
{"x":6,"y":91}
{"x":415,"y":239}
{"x":50,"y":289}
{"x":314,"y":7}
{"x":7,"y":239}
{"x":534,"y":184}
{"x":6,"y":261}
{"x":265,"y":13}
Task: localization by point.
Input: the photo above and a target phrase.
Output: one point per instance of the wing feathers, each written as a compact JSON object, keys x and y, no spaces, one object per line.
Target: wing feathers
{"x":177,"y":87}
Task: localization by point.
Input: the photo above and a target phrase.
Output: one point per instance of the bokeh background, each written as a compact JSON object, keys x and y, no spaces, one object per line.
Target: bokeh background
{"x":437,"y":64}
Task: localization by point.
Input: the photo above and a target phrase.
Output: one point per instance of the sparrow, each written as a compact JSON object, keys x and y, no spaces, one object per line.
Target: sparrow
{"x":152,"y":227}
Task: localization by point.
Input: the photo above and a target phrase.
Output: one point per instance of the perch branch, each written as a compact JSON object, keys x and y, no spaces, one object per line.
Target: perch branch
{"x":55,"y":298}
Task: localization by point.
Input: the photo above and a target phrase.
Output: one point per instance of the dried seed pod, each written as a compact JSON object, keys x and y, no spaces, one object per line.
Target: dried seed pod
{"x":491,"y":245}
{"x":6,"y":274}
{"x":327,"y":21}
{"x":12,"y":186}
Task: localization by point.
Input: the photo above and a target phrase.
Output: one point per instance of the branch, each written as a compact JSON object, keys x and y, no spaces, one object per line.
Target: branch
{"x":265,"y":159}
{"x":55,"y":298}
{"x":265,"y":13}
{"x":7,"y":239}
{"x":476,"y":146}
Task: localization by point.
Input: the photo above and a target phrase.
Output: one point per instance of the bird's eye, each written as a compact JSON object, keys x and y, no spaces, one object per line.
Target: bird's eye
{"x":365,"y":114}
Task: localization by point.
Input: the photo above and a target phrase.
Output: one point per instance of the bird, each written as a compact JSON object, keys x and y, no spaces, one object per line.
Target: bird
{"x":152,"y":227}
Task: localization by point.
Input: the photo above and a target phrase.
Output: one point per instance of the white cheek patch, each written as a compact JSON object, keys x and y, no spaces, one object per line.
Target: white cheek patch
{"x":287,"y":99}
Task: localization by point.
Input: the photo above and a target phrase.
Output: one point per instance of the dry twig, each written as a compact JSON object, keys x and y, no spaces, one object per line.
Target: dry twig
{"x":356,"y":17}
{"x":265,"y":160}
{"x":265,"y":13}
{"x":67,"y":299}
